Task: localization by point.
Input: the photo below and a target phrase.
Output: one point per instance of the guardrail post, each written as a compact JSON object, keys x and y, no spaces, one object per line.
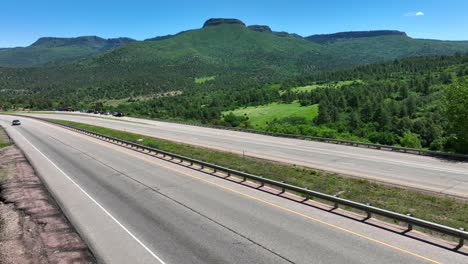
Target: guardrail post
{"x":282,"y":189}
{"x":369,"y":214}
{"x":261,"y":184}
{"x":410,"y":225}
{"x":336,"y":205}
{"x":307,"y":196}
{"x":461,"y":242}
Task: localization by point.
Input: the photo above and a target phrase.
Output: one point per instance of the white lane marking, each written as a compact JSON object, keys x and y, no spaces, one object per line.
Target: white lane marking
{"x":99,"y":205}
{"x":266,"y":143}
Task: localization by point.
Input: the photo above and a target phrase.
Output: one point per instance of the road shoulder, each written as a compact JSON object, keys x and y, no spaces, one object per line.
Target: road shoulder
{"x":33,"y":229}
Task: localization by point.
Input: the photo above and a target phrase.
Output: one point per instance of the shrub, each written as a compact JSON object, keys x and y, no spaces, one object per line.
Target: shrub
{"x":410,"y":140}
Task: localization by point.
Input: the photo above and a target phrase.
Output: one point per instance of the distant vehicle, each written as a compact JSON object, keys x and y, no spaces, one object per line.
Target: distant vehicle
{"x":16,"y":122}
{"x":66,"y":109}
{"x":118,"y":114}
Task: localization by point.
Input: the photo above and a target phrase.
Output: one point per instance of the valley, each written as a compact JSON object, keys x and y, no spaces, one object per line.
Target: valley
{"x":234,"y":132}
{"x":373,"y":86}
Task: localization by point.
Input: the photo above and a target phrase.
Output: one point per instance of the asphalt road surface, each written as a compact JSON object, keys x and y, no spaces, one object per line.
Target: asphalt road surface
{"x":420,"y":172}
{"x":133,"y":208}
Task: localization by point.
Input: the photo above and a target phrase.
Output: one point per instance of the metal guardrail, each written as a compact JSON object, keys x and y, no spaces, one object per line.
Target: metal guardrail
{"x":368,"y":209}
{"x":414,"y":151}
{"x":330,"y":140}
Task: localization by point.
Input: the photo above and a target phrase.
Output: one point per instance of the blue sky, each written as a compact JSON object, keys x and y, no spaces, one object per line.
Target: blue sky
{"x":24,"y":21}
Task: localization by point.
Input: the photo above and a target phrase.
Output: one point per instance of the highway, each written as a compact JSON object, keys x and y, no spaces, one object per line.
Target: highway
{"x":133,"y":208}
{"x":420,"y":172}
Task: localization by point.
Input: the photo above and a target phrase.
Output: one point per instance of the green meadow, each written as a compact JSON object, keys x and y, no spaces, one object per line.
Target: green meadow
{"x":311,"y":87}
{"x":259,"y":116}
{"x":204,"y":79}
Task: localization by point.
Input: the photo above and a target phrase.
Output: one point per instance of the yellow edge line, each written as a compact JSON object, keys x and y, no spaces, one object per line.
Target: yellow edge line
{"x":100,"y":142}
{"x":313,"y":166}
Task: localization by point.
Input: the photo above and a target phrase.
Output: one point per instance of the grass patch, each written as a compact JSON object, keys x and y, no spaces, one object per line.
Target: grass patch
{"x":273,"y":86}
{"x":442,"y":210}
{"x":306,"y":88}
{"x":142,"y":98}
{"x":116,"y":102}
{"x":259,"y":116}
{"x":4,"y":140}
{"x":204,"y":79}
{"x":311,"y":87}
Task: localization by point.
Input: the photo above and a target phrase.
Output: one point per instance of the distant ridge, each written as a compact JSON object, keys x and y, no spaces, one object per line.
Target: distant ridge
{"x":83,"y":40}
{"x":168,"y":36}
{"x":253,"y":41}
{"x":322,"y":38}
{"x":219,"y":21}
{"x":260,"y":28}
{"x":210,"y":23}
{"x":58,"y":50}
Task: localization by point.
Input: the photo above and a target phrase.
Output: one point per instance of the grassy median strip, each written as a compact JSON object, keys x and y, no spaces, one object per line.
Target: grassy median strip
{"x":444,"y":210}
{"x":4,"y":140}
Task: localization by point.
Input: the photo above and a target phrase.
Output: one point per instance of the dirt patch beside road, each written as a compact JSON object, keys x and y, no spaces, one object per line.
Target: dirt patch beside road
{"x":33,"y":229}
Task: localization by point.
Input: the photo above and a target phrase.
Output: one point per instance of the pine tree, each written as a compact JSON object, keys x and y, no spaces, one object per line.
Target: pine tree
{"x":457,"y":111}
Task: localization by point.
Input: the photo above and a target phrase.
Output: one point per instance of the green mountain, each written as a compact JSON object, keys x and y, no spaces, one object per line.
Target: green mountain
{"x":324,"y":38}
{"x":49,"y":50}
{"x":384,"y":47}
{"x":236,"y":55}
{"x":232,"y":55}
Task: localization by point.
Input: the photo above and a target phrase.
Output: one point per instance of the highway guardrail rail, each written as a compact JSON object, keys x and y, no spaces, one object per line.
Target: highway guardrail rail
{"x":411,"y":221}
{"x":414,"y":151}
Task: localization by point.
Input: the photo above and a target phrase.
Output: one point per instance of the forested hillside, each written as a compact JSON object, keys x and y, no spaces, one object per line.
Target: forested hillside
{"x":55,"y":50}
{"x":204,"y":74}
{"x":239,"y":57}
{"x":417,"y":102}
{"x":324,"y":38}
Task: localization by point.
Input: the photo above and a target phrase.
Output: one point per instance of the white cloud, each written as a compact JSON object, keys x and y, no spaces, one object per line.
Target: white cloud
{"x":411,"y":14}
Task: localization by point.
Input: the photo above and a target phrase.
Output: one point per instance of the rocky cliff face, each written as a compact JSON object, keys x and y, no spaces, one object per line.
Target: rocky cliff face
{"x":219,"y":21}
{"x":260,"y":28}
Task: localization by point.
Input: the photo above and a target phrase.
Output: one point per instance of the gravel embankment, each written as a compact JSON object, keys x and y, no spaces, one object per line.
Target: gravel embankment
{"x":33,"y":229}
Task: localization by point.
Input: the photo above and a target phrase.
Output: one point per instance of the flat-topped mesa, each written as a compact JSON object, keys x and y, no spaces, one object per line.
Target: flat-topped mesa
{"x":83,"y":40}
{"x":219,"y":21}
{"x":260,"y":28}
{"x":320,"y":38}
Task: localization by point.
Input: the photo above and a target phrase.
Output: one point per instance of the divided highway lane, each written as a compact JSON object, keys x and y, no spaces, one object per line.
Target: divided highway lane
{"x":426,"y":173}
{"x":132,"y":208}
